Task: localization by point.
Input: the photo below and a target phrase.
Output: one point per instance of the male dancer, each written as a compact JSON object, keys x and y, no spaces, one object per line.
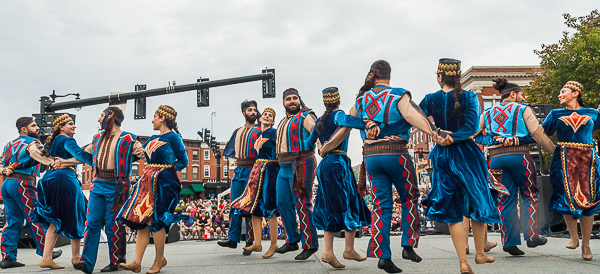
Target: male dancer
{"x":113,"y":151}
{"x":241,"y":147}
{"x":19,"y":193}
{"x":387,"y":160}
{"x":509,"y":127}
{"x":295,"y":153}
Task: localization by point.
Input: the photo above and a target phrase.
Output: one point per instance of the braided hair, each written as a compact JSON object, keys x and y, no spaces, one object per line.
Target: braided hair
{"x":328,"y":109}
{"x":170,"y":123}
{"x":454,"y":81}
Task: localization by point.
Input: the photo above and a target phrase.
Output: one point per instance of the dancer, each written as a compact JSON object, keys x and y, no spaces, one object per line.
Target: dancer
{"x":574,"y":171}
{"x":20,"y":165}
{"x":387,"y":160}
{"x":296,"y":156}
{"x":153,"y":200}
{"x":507,"y":127}
{"x":241,"y":147}
{"x":113,"y":152}
{"x":338,"y":205}
{"x":460,"y":175}
{"x":61,"y":205}
{"x":260,"y":196}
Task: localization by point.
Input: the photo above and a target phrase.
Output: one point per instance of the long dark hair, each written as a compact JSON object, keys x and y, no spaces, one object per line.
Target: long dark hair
{"x":328,"y":109}
{"x":579,"y":98}
{"x":49,"y":140}
{"x":454,"y":81}
{"x":375,"y":73}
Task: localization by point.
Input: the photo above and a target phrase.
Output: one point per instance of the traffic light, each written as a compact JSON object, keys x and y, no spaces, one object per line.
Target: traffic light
{"x":139,"y":111}
{"x":268,"y":86}
{"x":420,"y":154}
{"x":206,"y":136}
{"x":202,"y":94}
{"x":213,"y":140}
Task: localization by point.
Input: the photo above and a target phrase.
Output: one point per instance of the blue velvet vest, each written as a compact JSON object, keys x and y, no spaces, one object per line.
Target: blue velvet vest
{"x":15,"y":154}
{"x":506,"y":120}
{"x":298,"y":138}
{"x":123,"y":156}
{"x":379,"y":105}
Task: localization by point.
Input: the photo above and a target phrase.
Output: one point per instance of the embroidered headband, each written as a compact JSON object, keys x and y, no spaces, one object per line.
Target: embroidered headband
{"x":61,"y":120}
{"x":574,"y":86}
{"x":246,"y":104}
{"x":166,"y":112}
{"x":270,"y":110}
{"x":290,"y":91}
{"x":26,"y":123}
{"x":509,"y":90}
{"x":381,"y":74}
{"x":331,"y":95}
{"x":449,"y":67}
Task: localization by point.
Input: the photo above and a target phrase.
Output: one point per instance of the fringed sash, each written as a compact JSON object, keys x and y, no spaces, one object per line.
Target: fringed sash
{"x":579,"y":170}
{"x":140,"y":206}
{"x":248,"y":200}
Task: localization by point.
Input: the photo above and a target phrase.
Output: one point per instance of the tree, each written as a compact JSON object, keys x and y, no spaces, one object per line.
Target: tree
{"x":575,"y":57}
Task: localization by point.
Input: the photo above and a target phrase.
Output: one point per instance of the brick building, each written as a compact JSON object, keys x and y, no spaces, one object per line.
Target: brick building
{"x":198,"y":179}
{"x":477,"y":79}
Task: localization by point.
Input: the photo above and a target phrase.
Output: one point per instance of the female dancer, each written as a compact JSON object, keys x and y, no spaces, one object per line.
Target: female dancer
{"x":61,"y":205}
{"x":259,"y":197}
{"x":153,"y":200}
{"x":574,"y":172}
{"x":460,"y":186}
{"x":338,"y":206}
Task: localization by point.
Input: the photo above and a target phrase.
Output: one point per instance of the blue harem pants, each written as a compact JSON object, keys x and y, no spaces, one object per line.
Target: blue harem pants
{"x":238,"y":184}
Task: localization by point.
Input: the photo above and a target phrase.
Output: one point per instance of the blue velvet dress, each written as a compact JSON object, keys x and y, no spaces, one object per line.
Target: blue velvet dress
{"x":338,"y":206}
{"x":574,"y":171}
{"x":154,"y":198}
{"x":60,"y":199}
{"x":260,"y":195}
{"x":460,"y":175}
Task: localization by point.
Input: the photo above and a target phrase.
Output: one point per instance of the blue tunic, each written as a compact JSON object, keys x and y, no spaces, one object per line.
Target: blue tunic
{"x":460,"y":177}
{"x":338,"y":206}
{"x":60,"y":199}
{"x":260,"y":195}
{"x":168,"y":152}
{"x":574,"y":171}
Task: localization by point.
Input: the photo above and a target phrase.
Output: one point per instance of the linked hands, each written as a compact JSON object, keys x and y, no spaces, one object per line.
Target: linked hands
{"x":373,"y":129}
{"x":57,"y":163}
{"x":443,"y":138}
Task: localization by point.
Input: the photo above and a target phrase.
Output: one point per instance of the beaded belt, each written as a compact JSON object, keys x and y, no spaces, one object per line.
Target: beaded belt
{"x":22,"y":177}
{"x":290,"y":157}
{"x":335,"y":151}
{"x":385,"y":149}
{"x":158,"y":166}
{"x":518,"y":150}
{"x":570,"y":144}
{"x":106,"y":174}
{"x":266,"y":160}
{"x":245,"y":162}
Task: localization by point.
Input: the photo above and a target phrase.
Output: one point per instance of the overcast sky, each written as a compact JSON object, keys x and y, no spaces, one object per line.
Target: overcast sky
{"x":99,"y":47}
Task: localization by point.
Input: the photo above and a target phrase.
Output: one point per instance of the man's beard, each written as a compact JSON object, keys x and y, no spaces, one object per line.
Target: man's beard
{"x":289,"y":110}
{"x":250,"y":119}
{"x":33,"y":134}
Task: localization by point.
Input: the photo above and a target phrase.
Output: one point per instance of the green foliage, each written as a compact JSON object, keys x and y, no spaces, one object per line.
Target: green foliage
{"x":576,"y":57}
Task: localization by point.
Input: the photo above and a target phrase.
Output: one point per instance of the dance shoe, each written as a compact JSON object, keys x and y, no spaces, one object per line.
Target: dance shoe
{"x":408,"y":253}
{"x":489,"y":246}
{"x":388,"y":266}
{"x":157,"y":266}
{"x":109,"y":268}
{"x":572,"y":245}
{"x":465,"y":268}
{"x":513,"y":250}
{"x":227,"y":243}
{"x":305,"y":254}
{"x":56,"y":254}
{"x":540,"y":241}
{"x":482,"y":259}
{"x":287,"y":248}
{"x":586,"y":252}
{"x":352,"y":255}
{"x":81,"y":267}
{"x":75,"y":260}
{"x":331,"y":260}
{"x":253,"y":247}
{"x":270,"y":252}
{"x":50,"y":264}
{"x":10,"y":263}
{"x":246,"y":252}
{"x":133,"y":266}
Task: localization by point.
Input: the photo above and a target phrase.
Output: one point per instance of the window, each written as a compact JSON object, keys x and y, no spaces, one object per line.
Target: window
{"x":135,"y":170}
{"x":225,"y":171}
{"x":195,"y":155}
{"x":184,"y":174}
{"x":206,"y":171}
{"x":488,"y":103}
{"x":194,"y":173}
{"x":206,"y":154}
